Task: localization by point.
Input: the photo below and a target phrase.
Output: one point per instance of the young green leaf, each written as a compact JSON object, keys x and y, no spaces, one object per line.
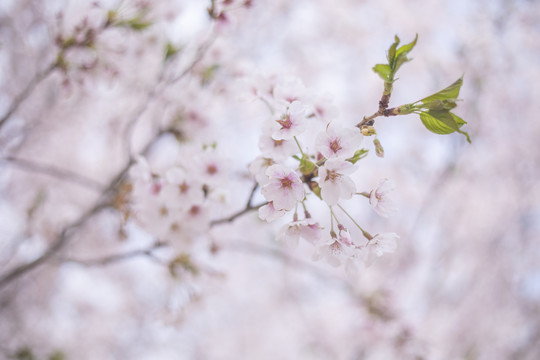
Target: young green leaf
{"x":401,"y":54}
{"x":359,"y":154}
{"x":391,"y":55}
{"x":443,"y":122}
{"x":446,"y":104}
{"x":405,"y":49}
{"x":383,"y":70}
{"x":451,"y":92}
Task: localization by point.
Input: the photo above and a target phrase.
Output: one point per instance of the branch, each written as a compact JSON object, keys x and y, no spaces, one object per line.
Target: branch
{"x":103,"y":202}
{"x":112,"y":259}
{"x":23,"y":95}
{"x":255,"y":248}
{"x":55,"y":172}
{"x":249,"y":207}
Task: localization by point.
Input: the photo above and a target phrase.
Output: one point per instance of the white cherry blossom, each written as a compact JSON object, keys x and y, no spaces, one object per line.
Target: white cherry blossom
{"x":290,"y":89}
{"x":307,"y":229}
{"x":258,"y":167}
{"x":379,"y":199}
{"x":291,"y":123}
{"x":337,"y":141}
{"x":277,"y":149}
{"x":269,"y":213}
{"x":383,"y":243}
{"x":335,"y":182}
{"x":284,"y":187}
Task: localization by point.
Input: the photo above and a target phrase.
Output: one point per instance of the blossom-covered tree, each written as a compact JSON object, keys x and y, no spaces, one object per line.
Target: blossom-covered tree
{"x":221,"y":179}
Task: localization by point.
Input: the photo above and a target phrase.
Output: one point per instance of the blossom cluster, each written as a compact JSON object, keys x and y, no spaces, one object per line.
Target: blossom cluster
{"x":305,"y":151}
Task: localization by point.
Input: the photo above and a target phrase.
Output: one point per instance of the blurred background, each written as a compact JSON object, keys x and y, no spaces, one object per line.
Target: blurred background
{"x":86,"y":85}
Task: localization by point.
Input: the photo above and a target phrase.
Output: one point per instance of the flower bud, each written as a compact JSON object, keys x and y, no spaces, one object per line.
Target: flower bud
{"x":379,"y":150}
{"x":368,"y":130}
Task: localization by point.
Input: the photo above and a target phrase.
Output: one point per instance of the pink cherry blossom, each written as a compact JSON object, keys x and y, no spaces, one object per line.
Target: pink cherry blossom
{"x":284,"y":187}
{"x":379,"y":199}
{"x":307,"y":229}
{"x":291,"y":123}
{"x":337,"y":141}
{"x":334,"y":181}
{"x":383,"y":243}
{"x":258,"y":167}
{"x":323,"y":107}
{"x":277,"y":149}
{"x":269,"y":213}
{"x":290,"y":89}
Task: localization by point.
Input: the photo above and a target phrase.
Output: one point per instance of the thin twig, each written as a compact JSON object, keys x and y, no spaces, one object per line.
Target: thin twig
{"x":23,"y":95}
{"x":277,"y":253}
{"x":201,"y":51}
{"x":112,"y":259}
{"x":55,"y":172}
{"x":237,"y":214}
{"x":249,"y":207}
{"x":103,"y":202}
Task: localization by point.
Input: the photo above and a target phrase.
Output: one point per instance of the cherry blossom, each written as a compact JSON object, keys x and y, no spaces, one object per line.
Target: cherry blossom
{"x":307,"y":229}
{"x":383,"y":243}
{"x":323,"y":107}
{"x":337,"y":141}
{"x":269,"y":213}
{"x":290,"y":89}
{"x":291,"y":123}
{"x":335,"y":250}
{"x":334,"y":181}
{"x":284,"y":187}
{"x":277,"y":149}
{"x":258,"y":167}
{"x":379,"y":199}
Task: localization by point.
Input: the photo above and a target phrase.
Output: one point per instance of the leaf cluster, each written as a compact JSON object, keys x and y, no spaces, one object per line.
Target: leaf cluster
{"x":434,"y":110}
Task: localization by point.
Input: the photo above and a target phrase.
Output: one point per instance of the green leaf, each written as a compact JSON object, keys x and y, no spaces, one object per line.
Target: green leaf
{"x":435,"y":125}
{"x":405,"y":49}
{"x":391,"y":55}
{"x":446,"y":104}
{"x":460,"y":123}
{"x":443,"y":122}
{"x":383,"y":70}
{"x":401,"y":54}
{"x":451,"y":92}
{"x":359,"y":154}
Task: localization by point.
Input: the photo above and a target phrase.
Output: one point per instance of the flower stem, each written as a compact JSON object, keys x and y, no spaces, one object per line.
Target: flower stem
{"x":364,"y":232}
{"x":299,"y":147}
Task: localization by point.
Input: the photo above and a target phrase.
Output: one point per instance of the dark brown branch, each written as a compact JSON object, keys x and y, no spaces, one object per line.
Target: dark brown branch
{"x":54,"y":171}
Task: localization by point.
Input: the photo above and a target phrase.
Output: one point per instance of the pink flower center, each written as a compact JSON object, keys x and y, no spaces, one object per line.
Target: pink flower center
{"x":332,"y":176}
{"x":183,"y":188}
{"x":286,"y":182}
{"x":335,"y":146}
{"x":335,"y":248}
{"x":195,"y":210}
{"x":278,"y":143}
{"x":211,"y":169}
{"x":286,"y":122}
